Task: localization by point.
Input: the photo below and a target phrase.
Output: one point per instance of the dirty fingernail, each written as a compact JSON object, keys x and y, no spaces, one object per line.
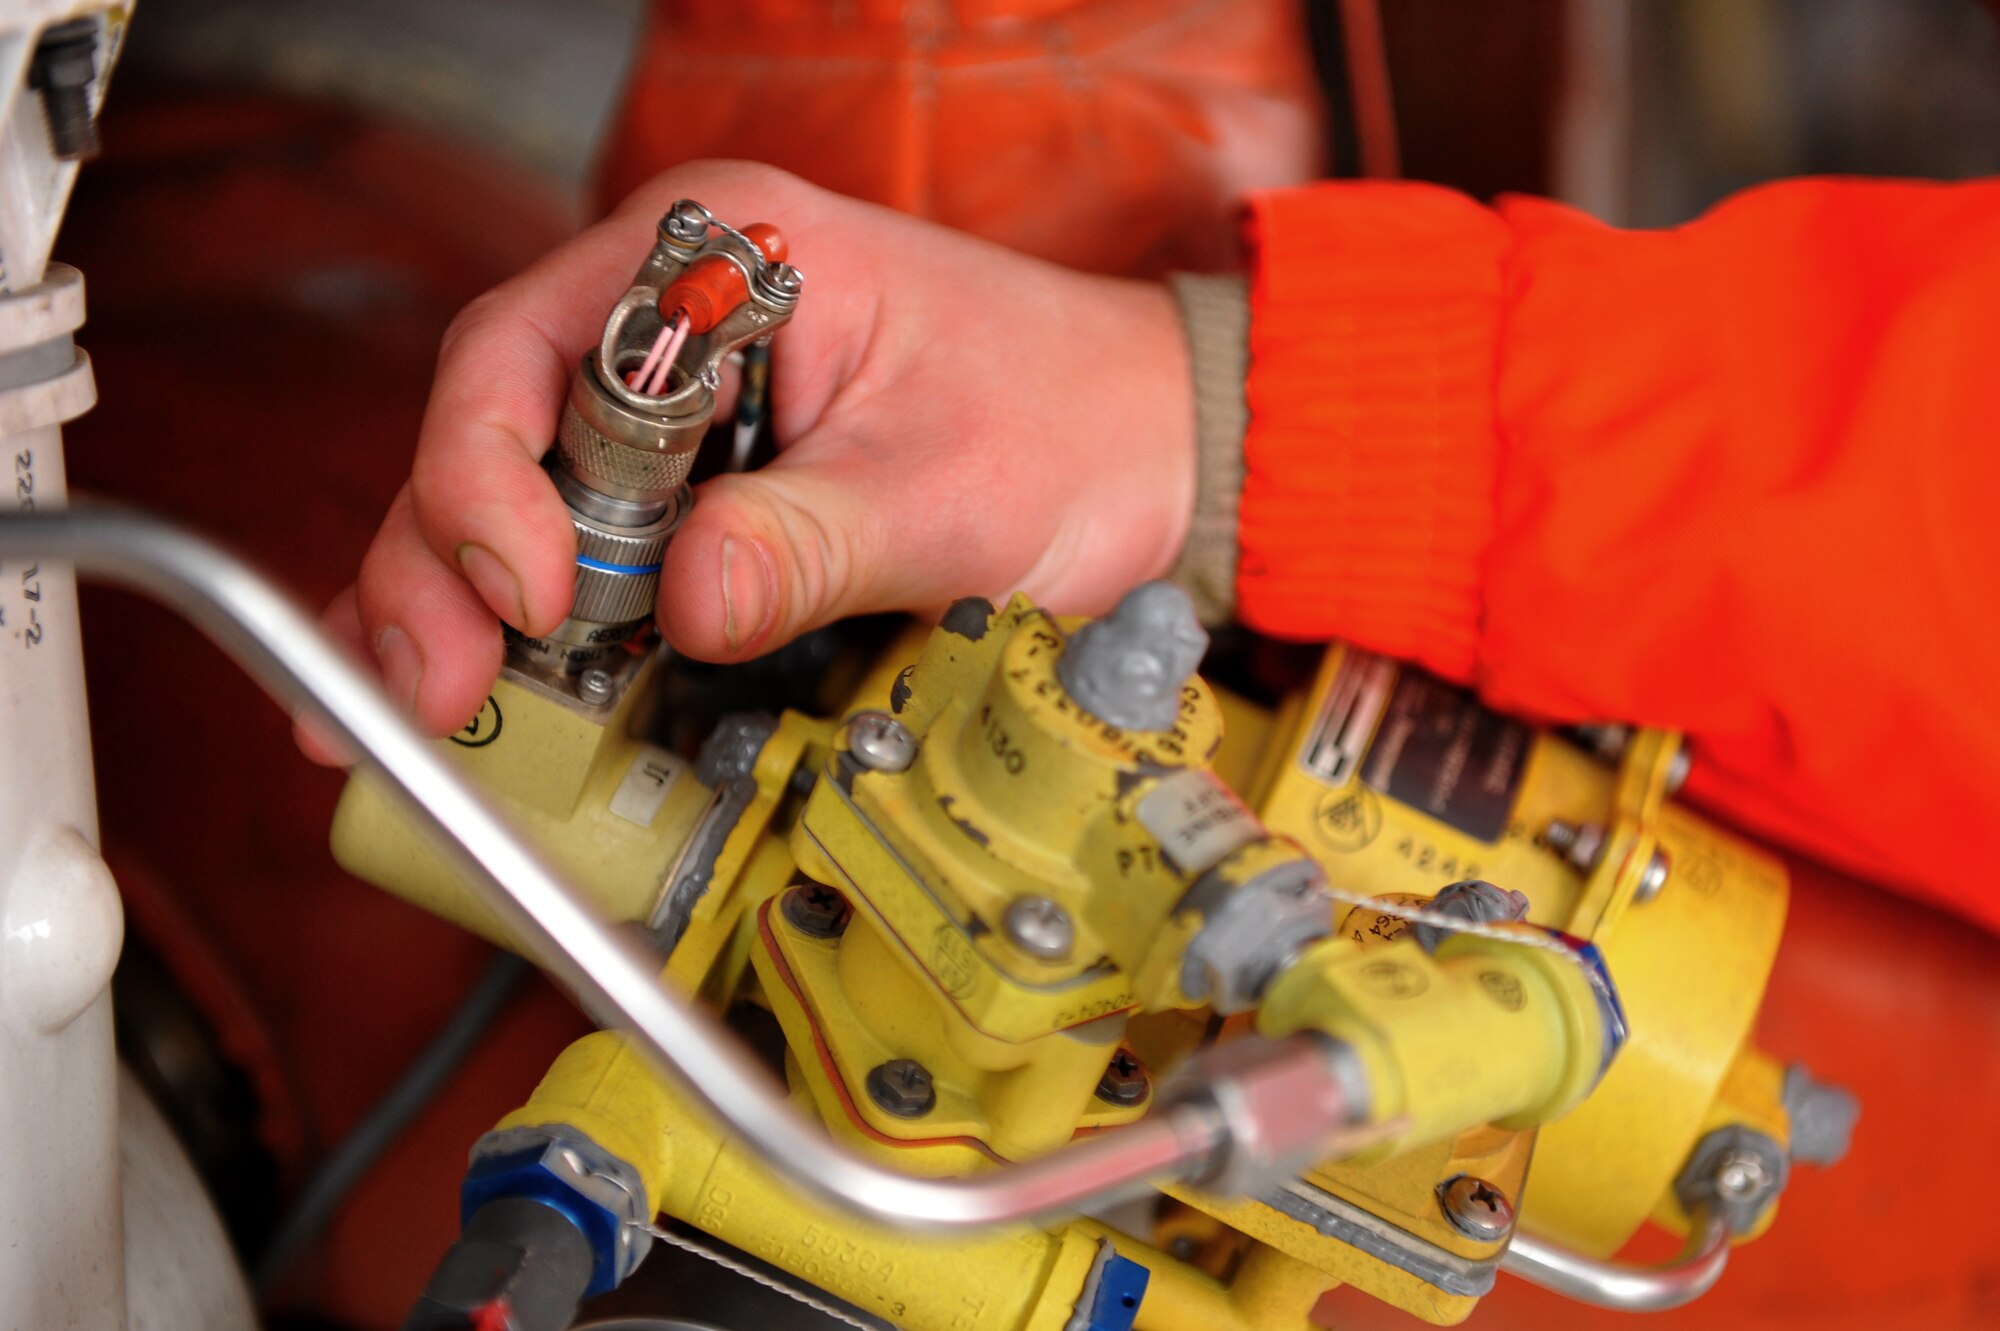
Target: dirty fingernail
{"x":493,"y":580}
{"x":745,"y":595}
{"x":402,"y":664}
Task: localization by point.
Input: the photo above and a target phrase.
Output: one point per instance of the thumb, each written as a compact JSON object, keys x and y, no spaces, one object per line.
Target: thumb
{"x":765,"y":556}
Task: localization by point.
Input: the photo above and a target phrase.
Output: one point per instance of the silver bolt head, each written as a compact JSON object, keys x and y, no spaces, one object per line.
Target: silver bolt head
{"x":880,"y":743}
{"x":1476,"y":1208}
{"x":687,"y":222}
{"x":1654,"y":877}
{"x":785,"y":279}
{"x":594,"y":685}
{"x":1040,"y":928}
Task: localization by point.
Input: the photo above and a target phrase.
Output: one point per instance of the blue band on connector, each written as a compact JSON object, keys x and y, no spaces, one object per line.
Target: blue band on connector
{"x":1611,"y":1009}
{"x":603,"y":567}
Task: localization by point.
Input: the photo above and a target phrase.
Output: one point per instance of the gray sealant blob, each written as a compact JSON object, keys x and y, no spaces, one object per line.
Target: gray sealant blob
{"x":1128,"y":667}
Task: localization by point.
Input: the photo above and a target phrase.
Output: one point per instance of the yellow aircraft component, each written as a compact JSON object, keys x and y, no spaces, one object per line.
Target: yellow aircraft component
{"x":1390,"y":782}
{"x":997,"y":1282}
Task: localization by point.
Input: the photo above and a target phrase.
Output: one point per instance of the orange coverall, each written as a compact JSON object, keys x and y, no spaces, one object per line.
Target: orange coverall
{"x":1736,"y":478}
{"x":1732,"y":478}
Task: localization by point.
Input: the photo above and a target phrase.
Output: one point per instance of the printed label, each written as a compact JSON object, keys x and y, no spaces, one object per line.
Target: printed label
{"x":1197,"y":820}
{"x":1439,"y":751}
{"x":644,"y":789}
{"x":1353,"y":704}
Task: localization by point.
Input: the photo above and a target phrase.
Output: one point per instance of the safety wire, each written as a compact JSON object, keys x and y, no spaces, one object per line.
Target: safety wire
{"x":1458,"y":924}
{"x":750,"y":1273}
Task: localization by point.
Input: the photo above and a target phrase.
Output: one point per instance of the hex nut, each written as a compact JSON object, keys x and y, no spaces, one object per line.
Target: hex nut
{"x":902,"y":1087}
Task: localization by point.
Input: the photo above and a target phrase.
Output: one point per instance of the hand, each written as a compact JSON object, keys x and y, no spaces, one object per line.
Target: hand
{"x":953,"y":418}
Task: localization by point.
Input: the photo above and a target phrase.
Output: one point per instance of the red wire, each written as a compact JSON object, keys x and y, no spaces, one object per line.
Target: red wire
{"x":495,"y":1316}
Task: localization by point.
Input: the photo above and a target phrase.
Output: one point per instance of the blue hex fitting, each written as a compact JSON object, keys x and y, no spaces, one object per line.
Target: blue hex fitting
{"x":1112,"y":1292}
{"x":1610,"y":1011}
{"x":565,"y":1170}
{"x":1121,"y":1288}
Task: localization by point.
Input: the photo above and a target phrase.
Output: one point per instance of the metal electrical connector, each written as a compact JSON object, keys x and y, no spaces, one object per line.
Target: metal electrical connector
{"x":638,"y":408}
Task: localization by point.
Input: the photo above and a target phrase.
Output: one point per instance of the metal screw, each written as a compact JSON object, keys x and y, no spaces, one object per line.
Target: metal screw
{"x":686,"y":222}
{"x":594,"y":686}
{"x":784,"y":279}
{"x":902,"y":1087}
{"x":815,"y":910}
{"x":879,"y":742}
{"x":1579,"y":845}
{"x":1476,"y":1208}
{"x":1124,"y":1081}
{"x":1607,"y":739}
{"x":1040,"y":928}
{"x":1741,"y":1176}
{"x":1654,"y":878}
{"x":64,"y":67}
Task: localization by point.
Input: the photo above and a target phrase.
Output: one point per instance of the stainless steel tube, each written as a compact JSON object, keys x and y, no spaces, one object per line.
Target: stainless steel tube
{"x":1632,"y":1289}
{"x":614,"y":978}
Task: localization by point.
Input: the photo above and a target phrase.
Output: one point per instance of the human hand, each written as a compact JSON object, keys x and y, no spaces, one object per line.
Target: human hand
{"x":952,"y":418}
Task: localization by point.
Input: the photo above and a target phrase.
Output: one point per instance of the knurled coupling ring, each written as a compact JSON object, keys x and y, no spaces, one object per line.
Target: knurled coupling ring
{"x":618,"y":568}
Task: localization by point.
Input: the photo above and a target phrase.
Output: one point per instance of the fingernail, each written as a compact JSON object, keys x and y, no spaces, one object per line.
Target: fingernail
{"x":494,"y":581}
{"x":402,"y":666}
{"x":746,"y":592}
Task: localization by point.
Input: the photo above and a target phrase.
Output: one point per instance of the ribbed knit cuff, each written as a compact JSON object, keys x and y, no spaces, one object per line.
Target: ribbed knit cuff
{"x":1372,"y":452}
{"x":1215,"y":311}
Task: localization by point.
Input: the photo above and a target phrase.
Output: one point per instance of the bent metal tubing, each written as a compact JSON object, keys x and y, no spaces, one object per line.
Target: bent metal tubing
{"x":1632,"y":1289}
{"x":614,"y":978}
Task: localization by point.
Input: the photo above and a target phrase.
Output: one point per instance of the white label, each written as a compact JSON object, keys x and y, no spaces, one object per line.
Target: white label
{"x":644,"y":789}
{"x":1197,"y":820}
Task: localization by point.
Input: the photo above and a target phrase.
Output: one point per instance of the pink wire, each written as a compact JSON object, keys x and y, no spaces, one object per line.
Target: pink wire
{"x":680,"y":333}
{"x":639,"y":376}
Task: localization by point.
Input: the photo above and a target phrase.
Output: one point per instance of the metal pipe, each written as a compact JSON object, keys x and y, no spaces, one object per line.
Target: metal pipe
{"x":615,"y":979}
{"x":1616,"y":1285}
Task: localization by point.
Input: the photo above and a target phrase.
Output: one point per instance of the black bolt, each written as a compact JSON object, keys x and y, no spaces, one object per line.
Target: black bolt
{"x":1124,"y":1081}
{"x":902,"y":1087}
{"x":63,"y":69}
{"x":815,"y":910}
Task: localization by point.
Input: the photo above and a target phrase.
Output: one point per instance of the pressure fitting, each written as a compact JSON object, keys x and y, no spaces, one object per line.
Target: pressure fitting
{"x":1284,"y":1105}
{"x":564,"y":1170}
{"x":638,"y":408}
{"x":1492,"y":1029}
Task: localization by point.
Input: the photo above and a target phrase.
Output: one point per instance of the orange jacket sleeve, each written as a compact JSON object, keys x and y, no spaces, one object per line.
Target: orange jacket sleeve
{"x":1737,"y":478}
